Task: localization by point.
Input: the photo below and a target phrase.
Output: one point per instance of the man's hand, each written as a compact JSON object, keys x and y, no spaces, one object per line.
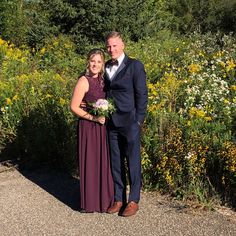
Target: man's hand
{"x":83,"y":104}
{"x":101,"y":120}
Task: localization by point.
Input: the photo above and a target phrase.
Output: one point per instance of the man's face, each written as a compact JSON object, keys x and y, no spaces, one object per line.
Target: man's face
{"x":115,"y":47}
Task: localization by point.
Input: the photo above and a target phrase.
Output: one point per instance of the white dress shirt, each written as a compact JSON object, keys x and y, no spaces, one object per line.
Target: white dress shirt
{"x":111,"y":69}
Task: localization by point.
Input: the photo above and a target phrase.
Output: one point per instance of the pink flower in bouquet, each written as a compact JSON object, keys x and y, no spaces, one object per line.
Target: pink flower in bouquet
{"x":103,"y":107}
{"x":102,"y":104}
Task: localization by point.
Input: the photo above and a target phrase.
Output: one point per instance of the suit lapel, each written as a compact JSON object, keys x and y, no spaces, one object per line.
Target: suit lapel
{"x":121,"y":67}
{"x":107,"y":75}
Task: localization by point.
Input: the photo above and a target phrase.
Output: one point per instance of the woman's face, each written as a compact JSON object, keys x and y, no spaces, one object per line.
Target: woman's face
{"x":95,"y":65}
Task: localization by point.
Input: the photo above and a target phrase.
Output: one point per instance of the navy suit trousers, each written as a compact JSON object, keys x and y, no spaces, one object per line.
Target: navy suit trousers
{"x":125,"y":148}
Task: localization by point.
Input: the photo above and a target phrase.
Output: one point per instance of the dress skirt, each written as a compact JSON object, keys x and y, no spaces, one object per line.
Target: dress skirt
{"x":96,"y":183}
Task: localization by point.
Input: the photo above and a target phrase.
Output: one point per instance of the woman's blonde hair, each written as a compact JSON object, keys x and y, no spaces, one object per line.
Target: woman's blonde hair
{"x":91,"y":54}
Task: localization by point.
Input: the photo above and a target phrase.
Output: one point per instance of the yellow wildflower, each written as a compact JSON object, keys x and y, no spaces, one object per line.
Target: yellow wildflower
{"x":222,"y":64}
{"x":168,"y":178}
{"x":67,"y":45}
{"x":48,"y":96}
{"x":208,"y":118}
{"x":15,"y":97}
{"x":62,"y":101}
{"x":2,"y":41}
{"x":219,"y":54}
{"x":8,"y":101}
{"x":194,"y":68}
{"x":43,"y":50}
{"x":192,"y":111}
{"x":151,"y":86}
{"x":201,"y":54}
{"x":230,"y":65}
{"x":233,"y":87}
{"x":200,"y":113}
{"x":55,"y":43}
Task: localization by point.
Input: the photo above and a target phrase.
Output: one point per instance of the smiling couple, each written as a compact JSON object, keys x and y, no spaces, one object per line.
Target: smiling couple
{"x":109,"y":154}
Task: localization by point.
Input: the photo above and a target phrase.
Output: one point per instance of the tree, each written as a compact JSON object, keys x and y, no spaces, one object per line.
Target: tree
{"x":88,"y":21}
{"x":13,"y":21}
{"x":203,"y":15}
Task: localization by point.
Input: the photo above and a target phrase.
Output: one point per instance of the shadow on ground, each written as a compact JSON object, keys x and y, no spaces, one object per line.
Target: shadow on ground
{"x":62,"y":186}
{"x":45,"y":141}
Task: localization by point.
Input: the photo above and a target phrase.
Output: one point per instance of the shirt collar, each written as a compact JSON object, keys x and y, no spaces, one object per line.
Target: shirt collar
{"x":121,"y":58}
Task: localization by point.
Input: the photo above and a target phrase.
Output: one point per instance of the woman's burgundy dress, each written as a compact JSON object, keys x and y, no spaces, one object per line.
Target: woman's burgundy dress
{"x":96,"y":183}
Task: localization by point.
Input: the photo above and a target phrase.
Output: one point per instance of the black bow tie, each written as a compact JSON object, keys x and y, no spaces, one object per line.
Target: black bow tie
{"x":114,"y":63}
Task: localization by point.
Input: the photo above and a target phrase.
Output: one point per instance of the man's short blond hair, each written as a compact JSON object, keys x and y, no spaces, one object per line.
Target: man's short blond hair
{"x":114,"y":34}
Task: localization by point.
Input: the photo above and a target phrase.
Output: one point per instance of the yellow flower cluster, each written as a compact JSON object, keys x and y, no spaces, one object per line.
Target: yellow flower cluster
{"x":153,"y":106}
{"x":163,"y":94}
{"x":168,"y":178}
{"x":229,"y":155}
{"x":172,"y":151}
{"x":2,"y":42}
{"x":233,"y":87}
{"x":197,"y":160}
{"x":194,"y":68}
{"x":198,"y":113}
{"x":43,"y":50}
{"x":8,"y":101}
{"x":230,"y":65}
{"x":11,"y":53}
{"x":146,"y":162}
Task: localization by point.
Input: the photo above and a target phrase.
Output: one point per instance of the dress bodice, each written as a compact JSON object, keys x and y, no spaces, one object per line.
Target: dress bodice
{"x":96,"y":89}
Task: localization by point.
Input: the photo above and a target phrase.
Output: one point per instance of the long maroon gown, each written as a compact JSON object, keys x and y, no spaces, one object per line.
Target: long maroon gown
{"x":96,"y":183}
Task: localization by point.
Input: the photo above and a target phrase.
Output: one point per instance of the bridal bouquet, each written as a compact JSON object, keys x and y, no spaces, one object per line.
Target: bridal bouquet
{"x":102,"y":107}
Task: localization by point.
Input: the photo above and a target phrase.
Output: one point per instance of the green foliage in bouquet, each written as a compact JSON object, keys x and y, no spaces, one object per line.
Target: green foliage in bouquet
{"x":102,"y":107}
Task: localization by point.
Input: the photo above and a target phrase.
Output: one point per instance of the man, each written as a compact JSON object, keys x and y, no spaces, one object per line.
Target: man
{"x":125,"y":83}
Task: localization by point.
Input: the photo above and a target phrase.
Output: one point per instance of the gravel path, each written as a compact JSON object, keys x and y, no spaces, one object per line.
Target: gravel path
{"x":38,"y":203}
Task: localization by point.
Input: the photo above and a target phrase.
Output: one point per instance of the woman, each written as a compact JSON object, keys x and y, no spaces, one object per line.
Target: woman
{"x":96,"y":184}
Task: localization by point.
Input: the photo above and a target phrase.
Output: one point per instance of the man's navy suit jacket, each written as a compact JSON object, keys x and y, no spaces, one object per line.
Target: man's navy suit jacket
{"x":128,"y":89}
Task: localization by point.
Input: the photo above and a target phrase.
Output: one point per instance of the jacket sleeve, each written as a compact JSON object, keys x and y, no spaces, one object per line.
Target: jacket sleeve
{"x":140,"y":91}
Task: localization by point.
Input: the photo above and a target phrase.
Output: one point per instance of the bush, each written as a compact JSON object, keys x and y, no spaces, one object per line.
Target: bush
{"x":191,"y":118}
{"x":36,"y":123}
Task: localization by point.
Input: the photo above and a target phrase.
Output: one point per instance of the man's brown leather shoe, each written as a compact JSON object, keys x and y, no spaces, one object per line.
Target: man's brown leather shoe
{"x":115,"y":208}
{"x":130,"y":209}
